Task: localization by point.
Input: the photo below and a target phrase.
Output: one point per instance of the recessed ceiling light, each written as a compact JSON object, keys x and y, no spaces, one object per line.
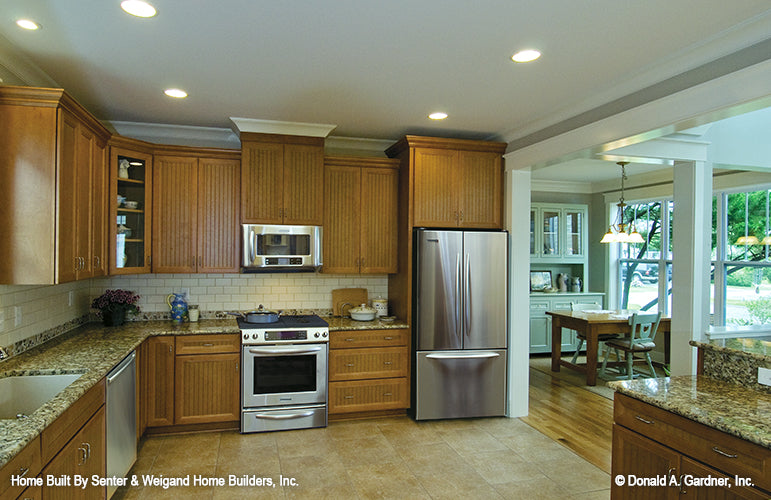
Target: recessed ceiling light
{"x":27,"y":24}
{"x":138,"y":8}
{"x":526,"y":56}
{"x":438,"y":115}
{"x":178,"y":93}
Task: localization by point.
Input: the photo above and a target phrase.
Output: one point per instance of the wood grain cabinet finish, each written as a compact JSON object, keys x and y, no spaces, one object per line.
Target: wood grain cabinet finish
{"x":650,"y":442}
{"x":368,"y":371}
{"x":360,"y":215}
{"x":195,"y":214}
{"x":158,"y":384}
{"x":86,"y":455}
{"x":281,"y":179}
{"x":454,"y":183}
{"x":25,"y":464}
{"x":206,"y":381}
{"x":52,"y":183}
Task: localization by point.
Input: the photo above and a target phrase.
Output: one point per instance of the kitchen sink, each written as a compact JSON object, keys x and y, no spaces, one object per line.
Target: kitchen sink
{"x":21,"y":395}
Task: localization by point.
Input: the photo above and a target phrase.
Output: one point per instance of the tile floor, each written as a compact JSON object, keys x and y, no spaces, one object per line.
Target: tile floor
{"x":384,"y":458}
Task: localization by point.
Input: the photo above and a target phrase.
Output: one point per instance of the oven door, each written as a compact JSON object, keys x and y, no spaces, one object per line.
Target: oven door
{"x":277,"y":375}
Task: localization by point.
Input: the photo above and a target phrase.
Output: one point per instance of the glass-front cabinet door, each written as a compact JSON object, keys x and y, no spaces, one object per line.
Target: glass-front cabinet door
{"x":550,"y":235}
{"x":533,"y":216}
{"x":574,"y":229}
{"x":130,"y":211}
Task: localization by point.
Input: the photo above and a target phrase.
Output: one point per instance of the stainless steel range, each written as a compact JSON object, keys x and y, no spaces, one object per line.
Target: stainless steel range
{"x":284,"y":374}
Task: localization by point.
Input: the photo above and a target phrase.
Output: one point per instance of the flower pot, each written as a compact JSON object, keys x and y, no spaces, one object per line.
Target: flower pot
{"x":115,"y":317}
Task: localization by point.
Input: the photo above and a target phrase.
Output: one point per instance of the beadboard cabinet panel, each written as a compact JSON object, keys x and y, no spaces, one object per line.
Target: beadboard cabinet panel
{"x":434,"y":200}
{"x":342,"y":219}
{"x":379,"y":195}
{"x":262,"y":171}
{"x":206,"y":388}
{"x":303,"y":181}
{"x":480,"y":189}
{"x":175,"y":228}
{"x":218,"y":215}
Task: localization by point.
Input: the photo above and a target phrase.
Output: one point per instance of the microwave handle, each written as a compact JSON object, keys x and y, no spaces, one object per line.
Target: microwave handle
{"x":252,"y":245}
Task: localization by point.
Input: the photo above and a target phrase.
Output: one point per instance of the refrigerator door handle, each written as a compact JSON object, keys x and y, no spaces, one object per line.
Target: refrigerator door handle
{"x":467,"y":296}
{"x":471,"y":355}
{"x":458,"y":301}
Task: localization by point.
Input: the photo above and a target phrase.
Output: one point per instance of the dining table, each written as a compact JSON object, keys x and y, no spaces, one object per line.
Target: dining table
{"x":592,"y":324}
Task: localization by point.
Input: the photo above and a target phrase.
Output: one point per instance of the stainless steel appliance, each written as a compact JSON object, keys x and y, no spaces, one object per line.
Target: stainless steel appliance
{"x":121,"y":419}
{"x":273,"y":248}
{"x":460,"y":325}
{"x":284,"y":374}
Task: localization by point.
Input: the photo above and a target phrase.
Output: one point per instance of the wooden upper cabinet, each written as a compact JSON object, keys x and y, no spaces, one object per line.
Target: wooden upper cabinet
{"x":99,"y":211}
{"x":50,"y":149}
{"x":282,"y":179}
{"x":218,"y":215}
{"x":454,"y":183}
{"x":360,"y":215}
{"x":195,"y":214}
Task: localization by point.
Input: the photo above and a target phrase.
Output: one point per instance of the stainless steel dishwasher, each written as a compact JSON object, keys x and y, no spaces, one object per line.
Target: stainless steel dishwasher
{"x":121,"y":419}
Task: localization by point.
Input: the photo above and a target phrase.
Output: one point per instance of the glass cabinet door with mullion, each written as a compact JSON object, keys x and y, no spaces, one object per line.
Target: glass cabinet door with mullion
{"x":130,"y":209}
{"x":550,"y":232}
{"x":574,"y":220}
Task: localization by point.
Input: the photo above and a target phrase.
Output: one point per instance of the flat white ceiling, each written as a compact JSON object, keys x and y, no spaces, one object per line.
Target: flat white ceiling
{"x":375,"y":69}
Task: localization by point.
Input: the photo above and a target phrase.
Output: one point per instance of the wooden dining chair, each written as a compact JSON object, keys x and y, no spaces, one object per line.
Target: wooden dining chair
{"x":591,"y":306}
{"x":640,"y":341}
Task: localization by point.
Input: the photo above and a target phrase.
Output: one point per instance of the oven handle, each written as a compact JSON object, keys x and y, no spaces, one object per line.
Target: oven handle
{"x":284,"y":350}
{"x":283,"y":416}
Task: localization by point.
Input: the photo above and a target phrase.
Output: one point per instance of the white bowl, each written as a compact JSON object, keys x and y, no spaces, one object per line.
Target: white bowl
{"x":363,"y":316}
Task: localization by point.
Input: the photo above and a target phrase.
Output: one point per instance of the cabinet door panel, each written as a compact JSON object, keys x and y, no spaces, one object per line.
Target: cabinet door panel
{"x":174,"y":214}
{"x":83,"y":192}
{"x":342,"y":219}
{"x":158,"y":385}
{"x":379,"y":198}
{"x":303,"y":184}
{"x":66,"y":174}
{"x":642,"y":457}
{"x":435,"y":202}
{"x":218,"y":217}
{"x":696,"y":469}
{"x":207,"y":388}
{"x":99,"y":219}
{"x":480,"y":188}
{"x":262,"y":179}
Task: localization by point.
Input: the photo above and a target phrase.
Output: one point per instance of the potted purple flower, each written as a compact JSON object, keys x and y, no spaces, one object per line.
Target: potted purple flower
{"x":114,"y":304}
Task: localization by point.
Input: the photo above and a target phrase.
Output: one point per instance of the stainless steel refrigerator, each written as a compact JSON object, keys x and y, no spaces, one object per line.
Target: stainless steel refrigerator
{"x":460,"y":324}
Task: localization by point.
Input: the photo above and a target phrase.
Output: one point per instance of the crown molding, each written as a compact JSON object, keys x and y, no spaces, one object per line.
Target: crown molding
{"x":178,"y":135}
{"x":254,"y":125}
{"x":356,"y":146}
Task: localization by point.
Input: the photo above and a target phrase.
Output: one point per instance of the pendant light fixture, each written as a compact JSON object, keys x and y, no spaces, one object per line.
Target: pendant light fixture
{"x":617,"y":233}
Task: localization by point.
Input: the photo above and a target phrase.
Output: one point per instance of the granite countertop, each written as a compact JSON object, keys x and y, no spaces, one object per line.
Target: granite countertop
{"x":733,"y":409}
{"x":93,"y":350}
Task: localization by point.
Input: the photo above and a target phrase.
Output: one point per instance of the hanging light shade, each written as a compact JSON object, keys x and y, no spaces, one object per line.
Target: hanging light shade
{"x":619,"y":232}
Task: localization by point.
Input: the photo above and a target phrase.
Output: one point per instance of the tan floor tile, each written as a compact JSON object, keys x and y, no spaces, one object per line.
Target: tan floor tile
{"x":257,"y":465}
{"x":262,"y":441}
{"x":533,"y":489}
{"x":431,"y":459}
{"x":576,"y":475}
{"x":366,"y":451}
{"x":502,"y":426}
{"x":502,"y":466}
{"x":303,"y":443}
{"x":172,"y":493}
{"x":150,"y":445}
{"x":473,"y":440}
{"x":353,"y":430}
{"x":128,"y":493}
{"x":314,"y":471}
{"x":143,"y":464}
{"x":406,"y":432}
{"x":535,"y":447}
{"x":343,"y":491}
{"x":386,"y":480}
{"x":592,"y":495}
{"x":458,"y":484}
{"x":235,"y":492}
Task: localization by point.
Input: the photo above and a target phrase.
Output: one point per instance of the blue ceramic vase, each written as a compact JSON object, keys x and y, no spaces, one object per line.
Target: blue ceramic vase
{"x":178,"y":306}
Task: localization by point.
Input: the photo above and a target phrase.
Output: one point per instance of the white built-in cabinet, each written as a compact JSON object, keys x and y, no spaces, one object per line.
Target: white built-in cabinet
{"x":557,"y":233}
{"x":540,"y":322}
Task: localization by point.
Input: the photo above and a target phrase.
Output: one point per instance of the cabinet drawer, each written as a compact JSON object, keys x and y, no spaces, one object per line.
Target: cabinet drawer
{"x":354,"y":364}
{"x":208,"y":344}
{"x":56,"y":435}
{"x":368,"y":395}
{"x":367,"y":338}
{"x":539,"y":307}
{"x":730,"y":454}
{"x":26,"y":463}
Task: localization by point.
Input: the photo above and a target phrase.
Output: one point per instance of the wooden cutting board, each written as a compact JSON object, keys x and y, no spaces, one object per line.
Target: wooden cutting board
{"x":353,"y":296}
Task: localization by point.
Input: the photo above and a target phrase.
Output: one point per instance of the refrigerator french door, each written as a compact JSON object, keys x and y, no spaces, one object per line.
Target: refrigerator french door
{"x":460,"y":324}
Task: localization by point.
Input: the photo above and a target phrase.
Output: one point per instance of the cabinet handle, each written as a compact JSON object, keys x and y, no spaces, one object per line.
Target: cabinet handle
{"x":349,"y":340}
{"x":349,"y":397}
{"x":170,"y":349}
{"x":682,"y":491}
{"x":208,"y":345}
{"x":387,"y":362}
{"x":96,"y":262}
{"x":349,"y":364}
{"x":236,"y":366}
{"x":77,"y":263}
{"x":456,"y":216}
{"x":388,"y":338}
{"x":649,"y":422}
{"x":82,"y":452}
{"x":149,"y":261}
{"x":721,"y":452}
{"x":388,"y":394}
{"x":200,"y":261}
{"x":23,"y":471}
{"x":88,"y":450}
{"x":461,"y":215}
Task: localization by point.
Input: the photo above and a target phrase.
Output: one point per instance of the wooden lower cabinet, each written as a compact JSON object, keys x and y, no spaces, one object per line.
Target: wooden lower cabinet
{"x":368,"y":371}
{"x":649,"y":442}
{"x":85,"y":456}
{"x":26,"y":464}
{"x":157,"y":388}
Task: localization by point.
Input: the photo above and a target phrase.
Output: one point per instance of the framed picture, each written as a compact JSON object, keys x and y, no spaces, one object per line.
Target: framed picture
{"x":540,"y":280}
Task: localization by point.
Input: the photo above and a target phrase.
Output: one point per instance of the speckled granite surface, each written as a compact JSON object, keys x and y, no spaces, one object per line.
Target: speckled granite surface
{"x":94,"y":350}
{"x":731,"y":408}
{"x":733,"y":366}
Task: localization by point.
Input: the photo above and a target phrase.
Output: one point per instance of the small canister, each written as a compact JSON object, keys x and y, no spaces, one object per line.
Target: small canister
{"x":381,"y":306}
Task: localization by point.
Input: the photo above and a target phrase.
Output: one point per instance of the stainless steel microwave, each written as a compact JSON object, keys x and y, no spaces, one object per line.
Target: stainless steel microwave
{"x":274,"y":248}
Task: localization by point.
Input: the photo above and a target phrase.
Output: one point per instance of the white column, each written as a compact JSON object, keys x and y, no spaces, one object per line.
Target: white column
{"x":691,"y":261}
{"x":517,"y":222}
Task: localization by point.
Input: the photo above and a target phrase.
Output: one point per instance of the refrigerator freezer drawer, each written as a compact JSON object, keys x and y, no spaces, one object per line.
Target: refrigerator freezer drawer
{"x":458,"y":384}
